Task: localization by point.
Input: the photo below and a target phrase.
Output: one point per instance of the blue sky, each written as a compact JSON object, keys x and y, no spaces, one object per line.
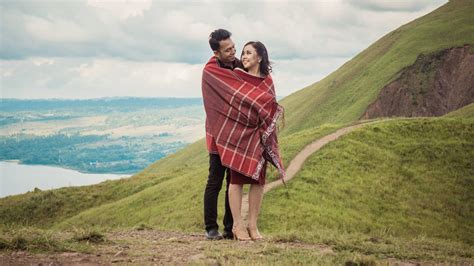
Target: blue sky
{"x":144,"y":48}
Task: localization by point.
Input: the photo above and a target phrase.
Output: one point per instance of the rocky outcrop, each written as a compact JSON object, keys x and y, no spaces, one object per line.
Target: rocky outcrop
{"x":434,"y":85}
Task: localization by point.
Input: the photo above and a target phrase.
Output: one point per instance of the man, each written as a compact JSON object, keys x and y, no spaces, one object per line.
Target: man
{"x":224,"y":50}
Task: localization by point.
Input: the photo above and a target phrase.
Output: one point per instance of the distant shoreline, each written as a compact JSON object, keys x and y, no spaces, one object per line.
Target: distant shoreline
{"x":68,"y":168}
{"x":23,"y":178}
{"x":12,"y":161}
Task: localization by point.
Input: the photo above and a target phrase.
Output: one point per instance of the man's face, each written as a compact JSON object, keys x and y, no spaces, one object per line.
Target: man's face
{"x":226,"y":52}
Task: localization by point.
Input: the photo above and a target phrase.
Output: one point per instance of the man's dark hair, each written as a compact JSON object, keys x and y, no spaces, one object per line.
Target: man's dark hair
{"x":216,"y":36}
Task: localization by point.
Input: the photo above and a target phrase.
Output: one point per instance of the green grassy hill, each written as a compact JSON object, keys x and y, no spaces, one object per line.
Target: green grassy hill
{"x":45,"y":208}
{"x":467,"y":112}
{"x":403,"y":178}
{"x":344,"y":95}
{"x":399,"y":187}
{"x":396,"y":168}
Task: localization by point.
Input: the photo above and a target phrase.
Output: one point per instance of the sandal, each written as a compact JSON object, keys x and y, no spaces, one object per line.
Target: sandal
{"x":254,"y":234}
{"x":240,"y":234}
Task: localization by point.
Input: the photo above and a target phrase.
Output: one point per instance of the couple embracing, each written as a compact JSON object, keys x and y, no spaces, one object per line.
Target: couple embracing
{"x":241,"y":115}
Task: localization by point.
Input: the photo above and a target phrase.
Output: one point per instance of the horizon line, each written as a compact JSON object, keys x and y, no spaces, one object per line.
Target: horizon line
{"x":106,"y":98}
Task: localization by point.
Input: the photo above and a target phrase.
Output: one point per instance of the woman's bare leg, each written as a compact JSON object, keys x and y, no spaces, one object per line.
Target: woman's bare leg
{"x":255,"y":201}
{"x":235,"y":202}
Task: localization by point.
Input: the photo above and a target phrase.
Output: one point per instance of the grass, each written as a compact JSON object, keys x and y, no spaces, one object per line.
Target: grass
{"x":396,"y":188}
{"x":89,"y":236}
{"x":44,"y":208}
{"x":403,"y":181}
{"x":467,"y":112}
{"x":380,"y":192}
{"x":280,"y":254}
{"x":156,"y":205}
{"x":37,"y":240}
{"x":383,"y":247}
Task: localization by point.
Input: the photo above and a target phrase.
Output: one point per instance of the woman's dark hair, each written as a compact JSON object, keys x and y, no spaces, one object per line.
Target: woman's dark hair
{"x":265,"y":65}
{"x":216,"y":36}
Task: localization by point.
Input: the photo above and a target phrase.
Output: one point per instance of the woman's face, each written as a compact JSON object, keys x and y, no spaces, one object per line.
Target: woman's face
{"x":249,"y":57}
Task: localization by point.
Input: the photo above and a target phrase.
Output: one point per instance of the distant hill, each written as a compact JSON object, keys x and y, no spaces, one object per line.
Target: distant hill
{"x":345,"y":94}
{"x":17,"y":105}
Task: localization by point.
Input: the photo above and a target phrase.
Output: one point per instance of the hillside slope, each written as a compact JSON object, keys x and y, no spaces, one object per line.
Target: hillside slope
{"x":394,"y":188}
{"x":467,"y":112}
{"x":401,"y":177}
{"x":344,"y":95}
{"x":407,"y":176}
{"x":44,"y":208}
{"x":434,"y":85}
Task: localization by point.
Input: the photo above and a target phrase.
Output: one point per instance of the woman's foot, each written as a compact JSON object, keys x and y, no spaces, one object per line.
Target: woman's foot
{"x":240,"y":233}
{"x":254,"y":234}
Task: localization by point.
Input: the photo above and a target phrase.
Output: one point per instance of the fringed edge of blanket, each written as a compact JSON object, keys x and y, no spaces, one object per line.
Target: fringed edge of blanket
{"x":268,"y":148}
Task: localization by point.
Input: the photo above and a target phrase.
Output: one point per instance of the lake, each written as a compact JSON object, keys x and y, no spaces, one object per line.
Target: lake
{"x":18,"y":178}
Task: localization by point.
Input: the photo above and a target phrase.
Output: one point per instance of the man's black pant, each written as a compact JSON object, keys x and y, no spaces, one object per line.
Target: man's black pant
{"x":213,"y":187}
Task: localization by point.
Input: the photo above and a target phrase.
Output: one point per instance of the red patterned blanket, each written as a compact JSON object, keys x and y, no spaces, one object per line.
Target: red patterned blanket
{"x":242,"y":119}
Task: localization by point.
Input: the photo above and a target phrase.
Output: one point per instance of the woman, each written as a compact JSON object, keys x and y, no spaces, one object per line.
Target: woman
{"x":257,"y":67}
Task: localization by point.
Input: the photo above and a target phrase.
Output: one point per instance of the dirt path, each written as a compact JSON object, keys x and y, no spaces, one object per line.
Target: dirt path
{"x":297,"y":162}
{"x":151,"y":247}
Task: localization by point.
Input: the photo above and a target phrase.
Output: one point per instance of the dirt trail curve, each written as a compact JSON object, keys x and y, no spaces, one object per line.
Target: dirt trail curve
{"x":297,"y":162}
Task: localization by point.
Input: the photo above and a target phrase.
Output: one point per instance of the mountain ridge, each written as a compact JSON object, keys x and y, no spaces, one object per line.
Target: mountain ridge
{"x":344,"y":95}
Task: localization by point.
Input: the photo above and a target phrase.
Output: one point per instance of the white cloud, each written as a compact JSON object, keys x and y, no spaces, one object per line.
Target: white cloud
{"x":92,"y":48}
{"x":178,"y":31}
{"x":392,"y":5}
{"x":55,"y":30}
{"x":122,"y":9}
{"x":92,"y":78}
{"x":42,"y":61}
